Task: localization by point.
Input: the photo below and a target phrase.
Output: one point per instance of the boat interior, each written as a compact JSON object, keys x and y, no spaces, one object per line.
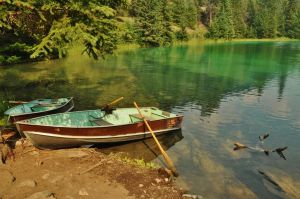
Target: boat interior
{"x":37,"y":106}
{"x":93,"y":118}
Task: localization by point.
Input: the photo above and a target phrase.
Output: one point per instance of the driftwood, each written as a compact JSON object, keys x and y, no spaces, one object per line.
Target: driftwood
{"x":91,"y":168}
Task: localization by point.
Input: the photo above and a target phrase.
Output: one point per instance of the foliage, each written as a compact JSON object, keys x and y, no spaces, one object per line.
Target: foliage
{"x":152,"y":25}
{"x":223,"y":26}
{"x":251,"y":18}
{"x":292,"y":20}
{"x":48,"y":27}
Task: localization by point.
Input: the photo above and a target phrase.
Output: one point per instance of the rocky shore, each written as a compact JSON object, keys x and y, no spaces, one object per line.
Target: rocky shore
{"x":27,"y":172}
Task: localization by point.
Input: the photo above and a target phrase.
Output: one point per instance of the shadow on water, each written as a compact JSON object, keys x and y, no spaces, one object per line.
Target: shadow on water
{"x":145,"y":149}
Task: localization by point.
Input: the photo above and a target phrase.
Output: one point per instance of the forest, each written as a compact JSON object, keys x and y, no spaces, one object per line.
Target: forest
{"x":40,"y":29}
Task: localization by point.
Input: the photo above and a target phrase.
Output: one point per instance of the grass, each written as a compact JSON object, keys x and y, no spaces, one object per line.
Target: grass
{"x":140,"y":163}
{"x":134,"y":161}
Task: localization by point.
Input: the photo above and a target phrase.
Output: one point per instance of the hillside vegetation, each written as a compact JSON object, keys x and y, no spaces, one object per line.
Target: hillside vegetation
{"x":40,"y":29}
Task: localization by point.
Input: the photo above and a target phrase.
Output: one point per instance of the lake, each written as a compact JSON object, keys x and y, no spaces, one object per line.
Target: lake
{"x":228,"y":92}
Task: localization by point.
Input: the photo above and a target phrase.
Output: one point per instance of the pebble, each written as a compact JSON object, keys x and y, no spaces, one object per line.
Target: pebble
{"x":45,"y":176}
{"x":57,"y":179}
{"x":83,"y":192}
{"x":157,"y":180}
{"x":141,"y":185}
{"x":191,"y":196}
{"x":7,"y":179}
{"x":27,"y":183}
{"x":166,"y":179}
{"x":42,"y":195}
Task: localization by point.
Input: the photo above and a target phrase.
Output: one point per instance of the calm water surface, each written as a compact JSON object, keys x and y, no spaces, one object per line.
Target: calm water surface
{"x":227,"y":92}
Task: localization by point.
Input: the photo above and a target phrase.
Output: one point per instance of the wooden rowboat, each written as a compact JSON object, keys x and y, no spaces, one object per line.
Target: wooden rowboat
{"x":95,"y":126}
{"x":39,"y":107}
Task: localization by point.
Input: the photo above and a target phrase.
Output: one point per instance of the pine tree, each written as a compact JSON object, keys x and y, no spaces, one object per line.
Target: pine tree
{"x":251,"y":19}
{"x":267,"y":19}
{"x":48,"y":27}
{"x":222,"y":26}
{"x":292,"y":20}
{"x":151,"y":28}
{"x":239,"y":16}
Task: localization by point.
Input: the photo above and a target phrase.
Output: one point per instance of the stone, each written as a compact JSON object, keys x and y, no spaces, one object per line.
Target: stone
{"x":42,"y":195}
{"x":166,"y":179}
{"x":45,"y":176}
{"x":191,"y":196}
{"x":27,"y":183}
{"x":7,"y":179}
{"x":83,"y":192}
{"x":157,"y":180}
{"x":57,"y":179}
{"x":141,"y":185}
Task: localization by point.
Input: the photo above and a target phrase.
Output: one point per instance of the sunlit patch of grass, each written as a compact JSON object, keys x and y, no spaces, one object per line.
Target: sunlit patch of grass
{"x":134,"y":161}
{"x":140,"y":163}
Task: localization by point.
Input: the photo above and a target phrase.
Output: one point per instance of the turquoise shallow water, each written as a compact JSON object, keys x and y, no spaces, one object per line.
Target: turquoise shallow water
{"x":228,"y":92}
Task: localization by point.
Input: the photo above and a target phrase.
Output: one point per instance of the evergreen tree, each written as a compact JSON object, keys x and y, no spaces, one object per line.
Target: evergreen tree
{"x":222,"y":26}
{"x":292,"y":20}
{"x":267,"y":19}
{"x":151,"y":27}
{"x":48,"y":27}
{"x":239,"y":17}
{"x":251,"y":19}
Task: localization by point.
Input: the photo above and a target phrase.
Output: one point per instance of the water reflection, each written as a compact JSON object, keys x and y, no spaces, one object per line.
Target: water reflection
{"x":227,"y":92}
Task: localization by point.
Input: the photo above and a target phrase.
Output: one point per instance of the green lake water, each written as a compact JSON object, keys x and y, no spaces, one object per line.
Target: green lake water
{"x":228,"y":92}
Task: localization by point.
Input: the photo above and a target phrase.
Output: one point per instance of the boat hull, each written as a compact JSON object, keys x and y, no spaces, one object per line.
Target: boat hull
{"x":50,"y":141}
{"x":65,"y":108}
{"x":64,"y":137}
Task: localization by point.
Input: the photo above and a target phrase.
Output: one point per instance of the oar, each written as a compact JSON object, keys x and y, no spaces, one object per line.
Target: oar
{"x":165,"y":155}
{"x":106,"y":108}
{"x":115,"y":101}
{"x":24,"y":102}
{"x":16,"y":102}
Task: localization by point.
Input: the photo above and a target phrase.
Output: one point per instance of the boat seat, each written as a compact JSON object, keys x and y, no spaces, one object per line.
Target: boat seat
{"x":137,"y":118}
{"x":100,"y":122}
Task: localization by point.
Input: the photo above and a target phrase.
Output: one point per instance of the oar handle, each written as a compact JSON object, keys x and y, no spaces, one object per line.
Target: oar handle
{"x":165,"y":155}
{"x":115,"y":101}
{"x":17,"y":102}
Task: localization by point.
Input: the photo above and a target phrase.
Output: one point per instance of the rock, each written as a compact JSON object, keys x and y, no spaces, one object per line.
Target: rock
{"x":27,"y":183}
{"x":83,"y":192}
{"x":57,"y":179}
{"x":45,"y":176}
{"x":75,"y":153}
{"x":7,"y":179}
{"x":157,"y":180}
{"x":42,"y":195}
{"x":141,"y":185}
{"x":191,"y":196}
{"x":166,"y":179}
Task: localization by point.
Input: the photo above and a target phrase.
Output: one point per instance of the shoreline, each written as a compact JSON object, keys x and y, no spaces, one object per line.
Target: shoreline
{"x":131,"y":46}
{"x":80,"y":172}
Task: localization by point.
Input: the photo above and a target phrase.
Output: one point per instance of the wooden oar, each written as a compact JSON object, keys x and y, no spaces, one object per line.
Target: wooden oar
{"x":115,"y":101}
{"x":165,"y":155}
{"x":17,"y":102}
{"x":107,"y":108}
{"x":24,"y":102}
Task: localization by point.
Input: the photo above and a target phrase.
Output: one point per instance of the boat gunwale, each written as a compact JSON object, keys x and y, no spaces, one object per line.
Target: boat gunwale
{"x":94,"y":137}
{"x":23,"y":122}
{"x":32,"y":113}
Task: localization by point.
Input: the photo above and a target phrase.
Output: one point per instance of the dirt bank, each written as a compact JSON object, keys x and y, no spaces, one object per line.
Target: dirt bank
{"x":78,"y":173}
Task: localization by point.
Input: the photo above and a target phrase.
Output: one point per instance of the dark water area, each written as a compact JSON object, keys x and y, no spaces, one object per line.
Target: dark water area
{"x":228,"y":92}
